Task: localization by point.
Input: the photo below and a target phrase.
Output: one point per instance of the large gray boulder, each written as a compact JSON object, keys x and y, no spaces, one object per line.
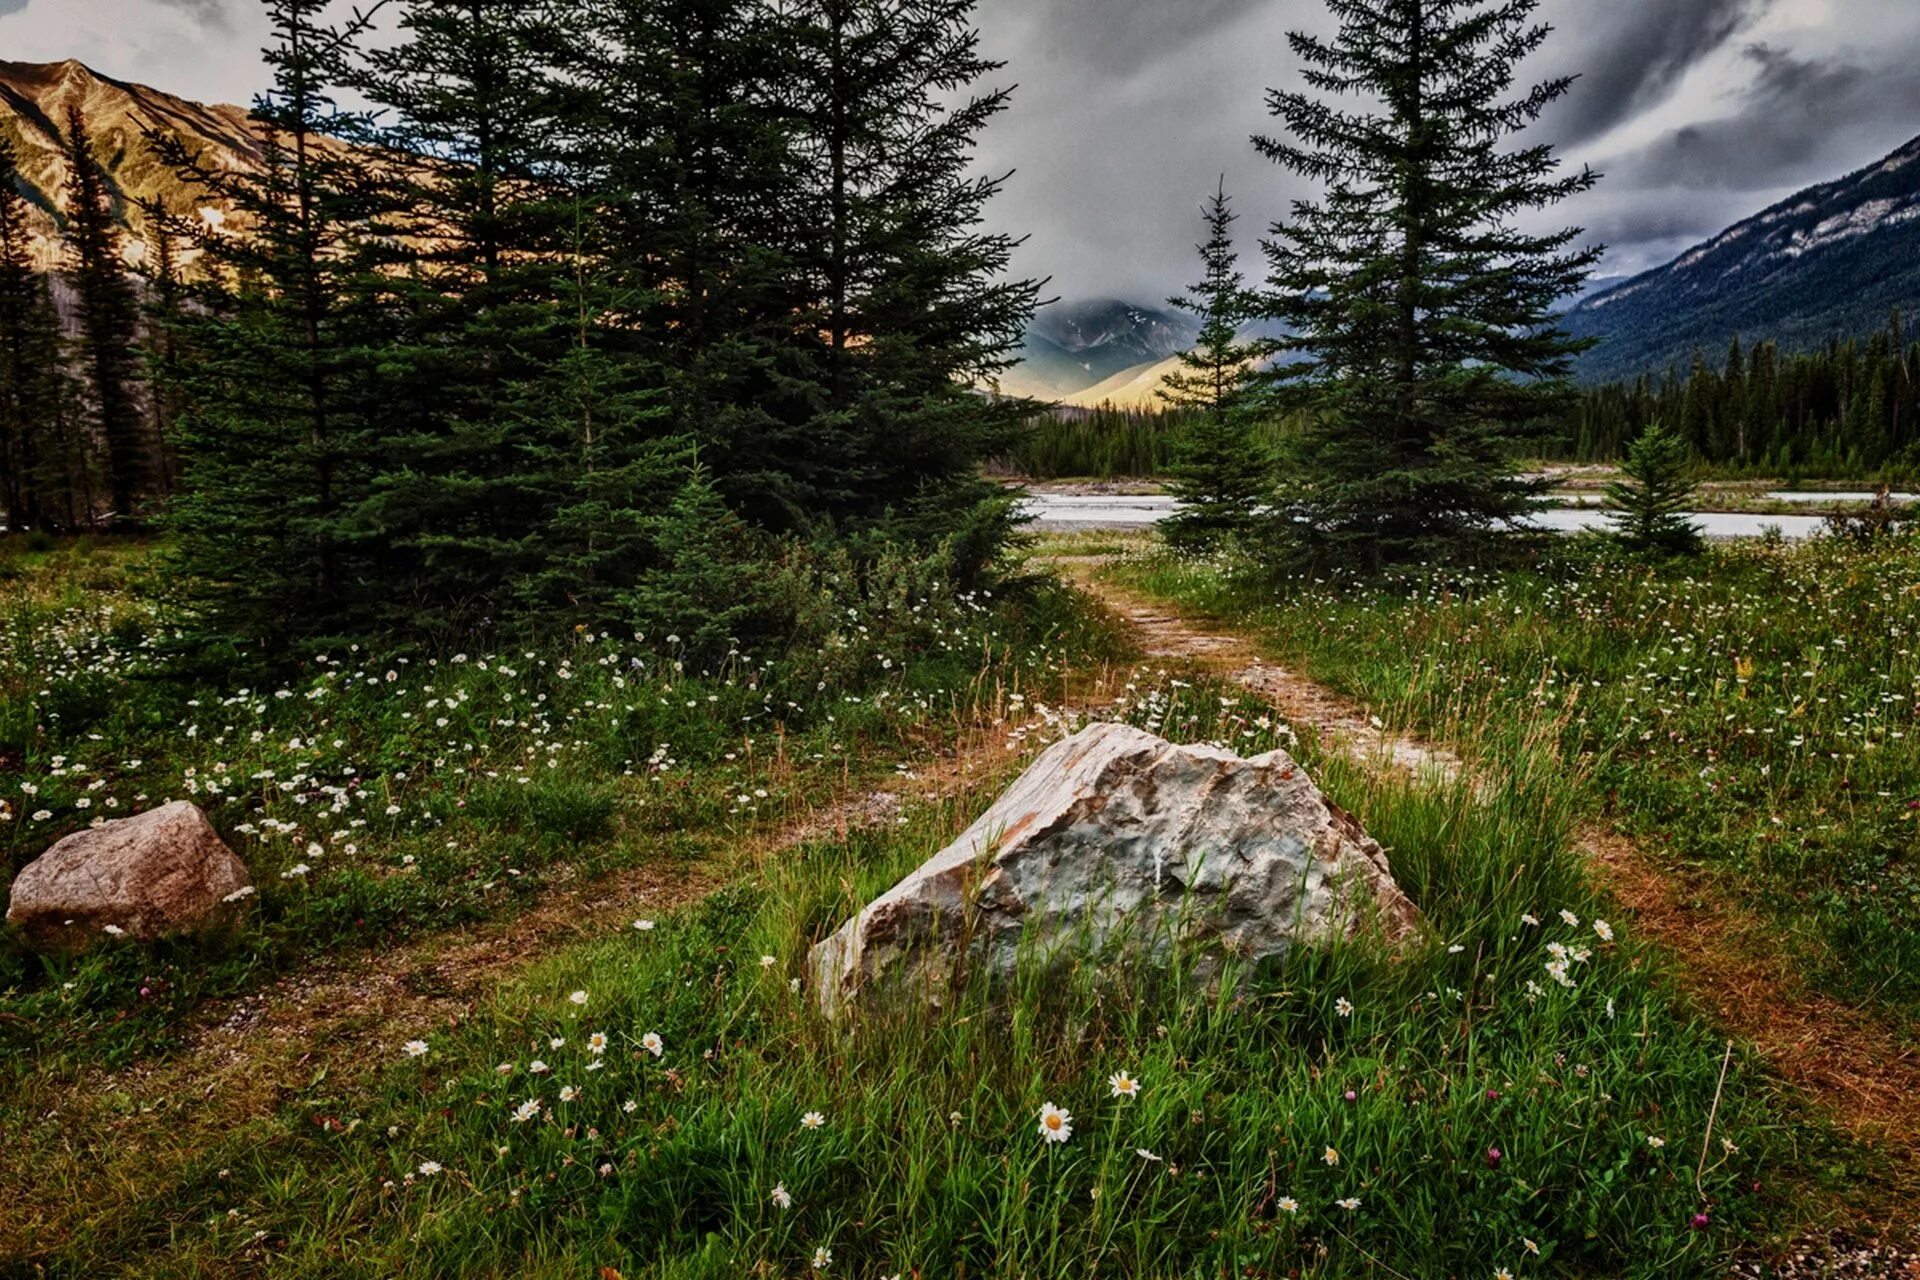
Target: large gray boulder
{"x":1117,"y":840}
{"x":158,"y":874}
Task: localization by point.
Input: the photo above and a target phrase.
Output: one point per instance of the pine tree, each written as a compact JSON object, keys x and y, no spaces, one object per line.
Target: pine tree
{"x":288,"y":406}
{"x":911,"y":301}
{"x":1222,"y":475}
{"x":166,"y":354}
{"x":676,"y":133}
{"x":1651,"y":502}
{"x":32,"y":379}
{"x":109,"y":316}
{"x":1422,"y":315}
{"x":504,"y":420}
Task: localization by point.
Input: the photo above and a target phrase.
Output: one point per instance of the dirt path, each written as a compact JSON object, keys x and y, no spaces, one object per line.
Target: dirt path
{"x":1853,"y":1067}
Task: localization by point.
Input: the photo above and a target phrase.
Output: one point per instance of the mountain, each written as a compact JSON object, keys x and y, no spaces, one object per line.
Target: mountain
{"x":1073,"y":346}
{"x":1833,"y":261}
{"x":33,"y":112}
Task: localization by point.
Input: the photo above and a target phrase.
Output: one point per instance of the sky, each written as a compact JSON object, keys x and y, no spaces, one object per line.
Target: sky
{"x":1129,"y":112}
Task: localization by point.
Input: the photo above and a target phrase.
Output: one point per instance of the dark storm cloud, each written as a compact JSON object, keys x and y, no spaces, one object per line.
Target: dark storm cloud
{"x":1782,"y":133}
{"x":1630,"y":54}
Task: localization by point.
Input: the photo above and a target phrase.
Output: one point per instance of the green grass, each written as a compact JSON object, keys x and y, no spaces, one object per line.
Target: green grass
{"x":1751,"y":713}
{"x":376,"y":797}
{"x":1415,"y":1065}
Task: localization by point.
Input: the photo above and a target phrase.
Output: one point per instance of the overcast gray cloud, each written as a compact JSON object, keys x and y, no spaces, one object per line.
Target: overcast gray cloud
{"x":1700,"y":112}
{"x":1782,"y":132}
{"x":1629,"y":55}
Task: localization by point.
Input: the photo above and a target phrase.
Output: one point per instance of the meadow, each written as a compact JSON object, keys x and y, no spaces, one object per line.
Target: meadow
{"x":1751,"y":713}
{"x":1516,"y":1093}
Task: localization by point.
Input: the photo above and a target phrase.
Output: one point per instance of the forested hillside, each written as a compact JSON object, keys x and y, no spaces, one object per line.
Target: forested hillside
{"x":1828,"y":263}
{"x":1847,"y":410}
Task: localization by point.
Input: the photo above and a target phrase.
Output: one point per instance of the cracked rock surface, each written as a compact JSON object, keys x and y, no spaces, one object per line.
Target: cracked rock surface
{"x":1116,"y":838}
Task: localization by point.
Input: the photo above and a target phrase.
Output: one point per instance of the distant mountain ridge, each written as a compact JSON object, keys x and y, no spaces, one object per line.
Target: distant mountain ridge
{"x":1074,"y":346}
{"x":33,"y":109}
{"x":1832,"y":261}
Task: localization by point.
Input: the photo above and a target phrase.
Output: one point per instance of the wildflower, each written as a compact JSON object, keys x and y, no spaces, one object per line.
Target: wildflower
{"x":558,"y":1042}
{"x":1503,"y":1274}
{"x":644,"y":926}
{"x":1055,"y":1125}
{"x":1123,"y":1085}
{"x":538,"y":1067}
{"x":1331,"y":1156}
{"x":429,"y":1167}
{"x":653,"y":1044}
{"x":813,"y":1120}
{"x":1656,"y":1143}
{"x":1529,"y":1246}
{"x":781,"y":1198}
{"x":568,"y":1093}
{"x":1289,"y":1205}
{"x":1603,"y":930}
{"x":526,"y":1111}
{"x":822,"y":1258}
{"x":767,"y":962}
{"x":629,"y":1106}
{"x":1701,"y":1221}
{"x":1572,"y":920}
{"x":1148,"y":1156}
{"x":1343,"y":1007}
{"x":112,"y":930}
{"x":578,"y":997}
{"x":1530,"y":919}
{"x":416,"y":1048}
{"x":597,"y":1043}
{"x":1349,"y":1204}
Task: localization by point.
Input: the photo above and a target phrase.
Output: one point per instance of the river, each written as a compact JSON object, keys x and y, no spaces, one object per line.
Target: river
{"x":1064,"y":512}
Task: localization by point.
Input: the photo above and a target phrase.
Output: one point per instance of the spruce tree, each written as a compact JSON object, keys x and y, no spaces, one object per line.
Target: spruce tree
{"x":911,"y":301}
{"x":32,"y":379}
{"x":109,"y":318}
{"x":1221,"y":474}
{"x":288,"y":404}
{"x":1422,"y":315}
{"x":1651,"y":501}
{"x":512,"y":431}
{"x":676,"y":132}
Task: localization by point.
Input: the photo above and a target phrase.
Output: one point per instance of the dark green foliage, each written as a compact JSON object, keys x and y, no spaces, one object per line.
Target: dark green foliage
{"x":1113,"y":444}
{"x":712,"y":586}
{"x":453,"y":379}
{"x":1846,"y":411}
{"x":523,"y":465}
{"x":913,"y":305}
{"x":1221,"y":473}
{"x":36,"y":410}
{"x":283,"y":441}
{"x":1423,"y":318}
{"x":1651,"y":502}
{"x":109,"y":316}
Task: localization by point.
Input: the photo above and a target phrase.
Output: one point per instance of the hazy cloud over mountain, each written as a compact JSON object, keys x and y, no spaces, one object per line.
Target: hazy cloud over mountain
{"x":1698,"y":111}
